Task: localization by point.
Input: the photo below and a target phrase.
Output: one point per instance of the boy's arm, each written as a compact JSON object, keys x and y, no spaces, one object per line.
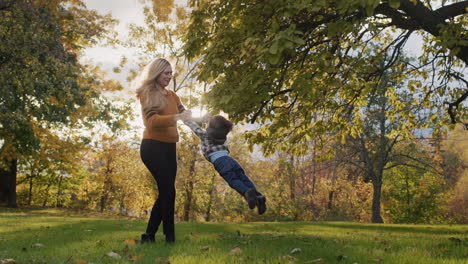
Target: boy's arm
{"x":195,"y":127}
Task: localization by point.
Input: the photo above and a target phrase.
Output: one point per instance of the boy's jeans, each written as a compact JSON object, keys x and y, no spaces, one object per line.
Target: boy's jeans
{"x":233,"y":174}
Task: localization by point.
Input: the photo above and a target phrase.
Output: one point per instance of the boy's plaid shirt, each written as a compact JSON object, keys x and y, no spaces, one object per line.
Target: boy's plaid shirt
{"x":206,"y":146}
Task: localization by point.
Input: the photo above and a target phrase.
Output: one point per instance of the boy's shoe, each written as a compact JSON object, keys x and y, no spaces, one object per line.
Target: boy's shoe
{"x":147,"y":238}
{"x":251,"y":197}
{"x":261,"y":204}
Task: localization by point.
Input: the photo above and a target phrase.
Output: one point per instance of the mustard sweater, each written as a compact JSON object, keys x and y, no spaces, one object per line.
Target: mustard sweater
{"x":161,"y":125}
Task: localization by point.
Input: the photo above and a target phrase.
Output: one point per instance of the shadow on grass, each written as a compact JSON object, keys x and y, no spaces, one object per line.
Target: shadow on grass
{"x":431,"y":230}
{"x":357,"y":227}
{"x":63,"y":239}
{"x":52,"y":211}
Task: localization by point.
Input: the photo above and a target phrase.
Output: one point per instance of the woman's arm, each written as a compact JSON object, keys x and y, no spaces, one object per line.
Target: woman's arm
{"x":155,"y":120}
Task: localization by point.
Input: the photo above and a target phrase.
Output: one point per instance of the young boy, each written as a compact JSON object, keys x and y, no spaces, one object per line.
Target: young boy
{"x":216,"y":152}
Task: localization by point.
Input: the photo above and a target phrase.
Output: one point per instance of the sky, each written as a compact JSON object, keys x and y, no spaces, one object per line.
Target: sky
{"x":127,"y":12}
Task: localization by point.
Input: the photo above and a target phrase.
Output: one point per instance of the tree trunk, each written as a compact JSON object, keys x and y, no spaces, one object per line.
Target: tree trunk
{"x":332,"y":191}
{"x":104,"y":195}
{"x":210,"y":198}
{"x":59,"y":192}
{"x":330,"y":200}
{"x":314,"y":169}
{"x":30,"y":191}
{"x":107,"y":188}
{"x":47,"y":194}
{"x":8,"y":183}
{"x":292,"y":179}
{"x":376,"y":218}
{"x":189,"y":192}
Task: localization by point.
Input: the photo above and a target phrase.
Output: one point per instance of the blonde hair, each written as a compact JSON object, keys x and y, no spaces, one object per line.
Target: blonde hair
{"x":145,"y":84}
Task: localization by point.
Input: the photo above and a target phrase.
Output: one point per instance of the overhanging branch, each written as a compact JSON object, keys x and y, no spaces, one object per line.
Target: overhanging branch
{"x":453,"y":106}
{"x":452,"y":10}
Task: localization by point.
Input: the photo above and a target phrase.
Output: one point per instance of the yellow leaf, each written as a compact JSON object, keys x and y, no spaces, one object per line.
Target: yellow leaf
{"x":136,"y":258}
{"x":80,"y":261}
{"x":130,"y":241}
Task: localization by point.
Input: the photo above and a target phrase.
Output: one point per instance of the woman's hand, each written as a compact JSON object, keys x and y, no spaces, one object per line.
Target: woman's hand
{"x":185,"y":115}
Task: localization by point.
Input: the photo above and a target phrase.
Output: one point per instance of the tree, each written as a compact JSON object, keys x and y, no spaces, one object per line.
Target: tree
{"x":307,"y":68}
{"x":42,"y":83}
{"x":161,"y":36}
{"x":280,"y":62}
{"x":50,"y":166}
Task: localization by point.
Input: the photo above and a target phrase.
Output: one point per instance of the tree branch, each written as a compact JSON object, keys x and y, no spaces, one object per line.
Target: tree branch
{"x":264,"y":103}
{"x":398,"y":19}
{"x":431,"y":21}
{"x":454,"y":105}
{"x":452,"y":10}
{"x":418,"y":16}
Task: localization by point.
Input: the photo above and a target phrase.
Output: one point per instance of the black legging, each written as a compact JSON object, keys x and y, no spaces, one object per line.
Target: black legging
{"x":160,"y":159}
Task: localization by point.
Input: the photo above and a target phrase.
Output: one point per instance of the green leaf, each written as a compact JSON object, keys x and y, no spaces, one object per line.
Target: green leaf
{"x":394,"y":3}
{"x":274,"y":48}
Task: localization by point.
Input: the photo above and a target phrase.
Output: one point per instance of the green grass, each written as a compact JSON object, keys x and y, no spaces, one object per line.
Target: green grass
{"x":59,"y":236}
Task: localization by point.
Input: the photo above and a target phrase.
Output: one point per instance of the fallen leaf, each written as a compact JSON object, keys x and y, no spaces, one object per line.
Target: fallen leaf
{"x":88,"y":230}
{"x":130,"y":241}
{"x":113,"y":255}
{"x":377,"y":260}
{"x":296,"y":250}
{"x":2,"y":239}
{"x":235,"y":251}
{"x":7,"y":261}
{"x":136,"y":258}
{"x":290,"y":259}
{"x":319,"y":260}
{"x":38,"y":245}
{"x":205,"y":248}
{"x":80,"y":261}
{"x":162,"y":260}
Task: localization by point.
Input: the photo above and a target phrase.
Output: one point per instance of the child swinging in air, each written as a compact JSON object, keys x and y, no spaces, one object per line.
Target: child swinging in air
{"x":216,"y":152}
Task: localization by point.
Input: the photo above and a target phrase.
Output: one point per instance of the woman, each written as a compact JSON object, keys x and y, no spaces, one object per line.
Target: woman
{"x":160,"y":111}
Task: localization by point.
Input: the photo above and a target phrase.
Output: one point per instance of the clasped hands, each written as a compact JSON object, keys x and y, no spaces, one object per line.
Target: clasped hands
{"x":187,"y":115}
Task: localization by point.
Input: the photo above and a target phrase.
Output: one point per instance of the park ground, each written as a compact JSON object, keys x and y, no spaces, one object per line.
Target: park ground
{"x":64,"y":236}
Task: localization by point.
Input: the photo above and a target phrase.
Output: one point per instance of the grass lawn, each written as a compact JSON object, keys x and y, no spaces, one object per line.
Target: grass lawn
{"x":60,"y":236}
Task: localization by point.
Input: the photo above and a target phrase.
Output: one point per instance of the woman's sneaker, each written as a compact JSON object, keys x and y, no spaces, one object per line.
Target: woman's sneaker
{"x":261,"y":204}
{"x":251,"y":197}
{"x":147,"y":238}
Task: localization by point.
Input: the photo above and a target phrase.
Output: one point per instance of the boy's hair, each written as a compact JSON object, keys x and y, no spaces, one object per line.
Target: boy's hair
{"x":218,"y":128}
